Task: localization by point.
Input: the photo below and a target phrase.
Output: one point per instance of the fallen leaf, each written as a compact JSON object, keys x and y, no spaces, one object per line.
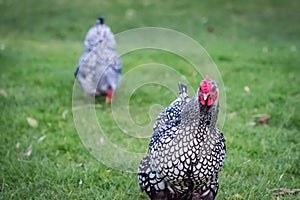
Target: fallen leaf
{"x":64,"y":114}
{"x":101,"y":141}
{"x":211,"y":29}
{"x":238,"y":196}
{"x":32,"y":122}
{"x":247,"y":89}
{"x":247,"y":161}
{"x":282,"y":191}
{"x":251,"y":123}
{"x":41,"y":138}
{"x":80,"y":182}
{"x":29,"y":151}
{"x":281,"y":177}
{"x":232,"y":115}
{"x":79,"y":165}
{"x":130,"y":13}
{"x":263,"y":119}
{"x":3,"y":92}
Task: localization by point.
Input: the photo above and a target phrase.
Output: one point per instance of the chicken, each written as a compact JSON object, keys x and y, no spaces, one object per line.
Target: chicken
{"x":187,"y":150}
{"x":99,"y":67}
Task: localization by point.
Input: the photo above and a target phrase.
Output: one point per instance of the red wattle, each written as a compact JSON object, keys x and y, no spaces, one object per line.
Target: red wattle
{"x":203,"y":102}
{"x":209,"y":101}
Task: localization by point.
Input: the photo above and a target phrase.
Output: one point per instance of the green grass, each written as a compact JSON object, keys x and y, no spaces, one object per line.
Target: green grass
{"x":254,"y":44}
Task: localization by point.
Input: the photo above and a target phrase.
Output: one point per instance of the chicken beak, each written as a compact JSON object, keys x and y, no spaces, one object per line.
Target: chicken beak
{"x":205,"y":96}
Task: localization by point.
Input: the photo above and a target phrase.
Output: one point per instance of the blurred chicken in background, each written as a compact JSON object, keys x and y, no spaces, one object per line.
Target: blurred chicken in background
{"x":99,"y":67}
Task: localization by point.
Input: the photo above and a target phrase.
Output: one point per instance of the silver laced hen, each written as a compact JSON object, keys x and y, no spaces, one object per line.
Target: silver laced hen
{"x":187,"y":150}
{"x":99,"y":68}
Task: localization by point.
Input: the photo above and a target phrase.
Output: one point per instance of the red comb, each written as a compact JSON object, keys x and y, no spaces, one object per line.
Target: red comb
{"x":206,"y":85}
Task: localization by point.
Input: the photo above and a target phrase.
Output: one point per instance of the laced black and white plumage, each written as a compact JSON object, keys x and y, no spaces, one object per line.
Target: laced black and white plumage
{"x":186,"y":151}
{"x":99,"y":67}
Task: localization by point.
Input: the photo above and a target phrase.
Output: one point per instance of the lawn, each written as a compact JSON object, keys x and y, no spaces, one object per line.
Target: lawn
{"x":46,"y":145}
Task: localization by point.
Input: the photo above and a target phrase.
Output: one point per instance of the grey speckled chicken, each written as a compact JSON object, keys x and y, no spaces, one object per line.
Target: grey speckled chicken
{"x":99,"y":68}
{"x":187,"y":150}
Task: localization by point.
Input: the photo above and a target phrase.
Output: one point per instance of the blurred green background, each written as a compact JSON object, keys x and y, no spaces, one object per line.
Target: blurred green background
{"x":253,"y":43}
